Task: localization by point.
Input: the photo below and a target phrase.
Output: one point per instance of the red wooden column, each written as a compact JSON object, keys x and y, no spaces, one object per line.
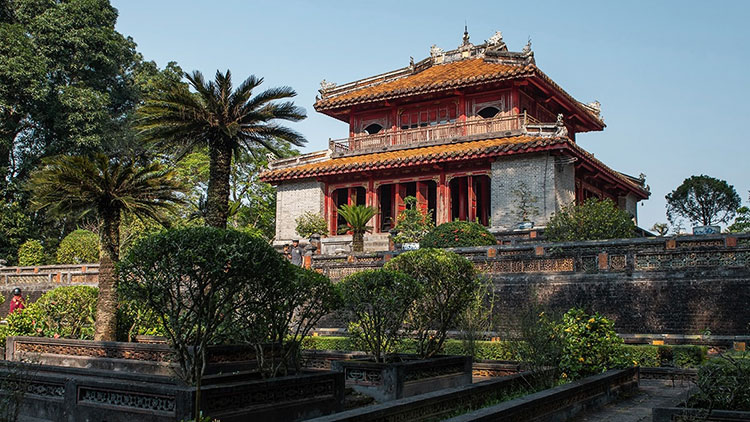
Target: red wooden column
{"x":371,"y":197}
{"x":515,"y":100}
{"x":443,"y":204}
{"x":422,"y":194}
{"x":332,"y":213}
{"x":471,"y":198}
{"x":462,"y":199}
{"x":399,"y":193}
{"x":462,"y":110}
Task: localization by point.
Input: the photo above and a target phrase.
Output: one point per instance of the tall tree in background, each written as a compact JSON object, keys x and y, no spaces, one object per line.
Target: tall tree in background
{"x":225,"y":121}
{"x":703,"y":200}
{"x":107,"y":189}
{"x":69,"y":83}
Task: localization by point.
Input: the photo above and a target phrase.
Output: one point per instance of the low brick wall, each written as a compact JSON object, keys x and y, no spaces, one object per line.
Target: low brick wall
{"x":35,"y":281}
{"x":680,"y":285}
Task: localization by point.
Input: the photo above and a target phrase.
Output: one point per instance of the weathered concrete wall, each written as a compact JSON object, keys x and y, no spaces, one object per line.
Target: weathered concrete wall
{"x":553,"y":185}
{"x":292,"y":200}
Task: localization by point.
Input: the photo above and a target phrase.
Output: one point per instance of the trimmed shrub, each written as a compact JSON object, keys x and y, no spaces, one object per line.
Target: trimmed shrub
{"x":448,"y":284}
{"x":642,"y":355}
{"x":689,"y":356}
{"x":590,"y":345}
{"x":31,"y":253}
{"x":458,"y":234}
{"x":377,"y":302}
{"x":593,"y":220}
{"x":79,"y":247}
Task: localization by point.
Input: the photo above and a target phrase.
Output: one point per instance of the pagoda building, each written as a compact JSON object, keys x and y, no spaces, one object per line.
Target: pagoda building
{"x":464,"y":131}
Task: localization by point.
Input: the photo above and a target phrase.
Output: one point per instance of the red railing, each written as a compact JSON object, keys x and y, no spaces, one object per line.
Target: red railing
{"x":388,"y":138}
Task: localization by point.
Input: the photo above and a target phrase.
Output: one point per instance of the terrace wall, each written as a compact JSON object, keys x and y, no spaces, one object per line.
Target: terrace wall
{"x":681,"y":285}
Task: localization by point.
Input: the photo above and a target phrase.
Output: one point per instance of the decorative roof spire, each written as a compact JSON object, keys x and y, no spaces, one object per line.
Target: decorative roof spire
{"x":466,"y":34}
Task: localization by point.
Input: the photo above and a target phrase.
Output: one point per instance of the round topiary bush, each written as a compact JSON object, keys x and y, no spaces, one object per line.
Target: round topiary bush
{"x":458,"y":234}
{"x":79,"y":247}
{"x":31,"y":253}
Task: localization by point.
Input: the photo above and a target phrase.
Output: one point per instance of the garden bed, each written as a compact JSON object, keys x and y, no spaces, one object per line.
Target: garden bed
{"x":144,"y":358}
{"x":390,"y":381}
{"x":439,"y":405}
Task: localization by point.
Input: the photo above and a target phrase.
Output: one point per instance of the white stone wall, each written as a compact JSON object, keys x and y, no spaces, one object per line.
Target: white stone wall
{"x":292,"y":200}
{"x":629,"y":203}
{"x":552,"y":184}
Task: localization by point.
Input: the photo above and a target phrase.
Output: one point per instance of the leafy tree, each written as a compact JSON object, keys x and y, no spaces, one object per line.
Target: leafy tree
{"x":222,"y":120}
{"x":590,"y":345}
{"x":448,"y":283}
{"x":377,"y":302}
{"x":66,"y":81}
{"x":703,"y":200}
{"x":741,"y":222}
{"x":660,"y":228}
{"x":412,"y":224}
{"x":595,"y":219}
{"x":105,"y":188}
{"x":311,"y":223}
{"x":15,"y":228}
{"x":31,"y":253}
{"x":79,"y":247}
{"x":357,"y":217}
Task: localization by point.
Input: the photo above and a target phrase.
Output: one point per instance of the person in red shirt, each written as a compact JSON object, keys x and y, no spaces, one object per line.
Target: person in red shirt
{"x":16,"y":303}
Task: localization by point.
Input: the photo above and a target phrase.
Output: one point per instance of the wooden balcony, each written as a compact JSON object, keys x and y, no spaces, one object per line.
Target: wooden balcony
{"x":433,"y":133}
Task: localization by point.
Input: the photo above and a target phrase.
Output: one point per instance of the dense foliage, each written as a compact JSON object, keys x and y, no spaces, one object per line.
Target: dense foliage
{"x":311,"y":223}
{"x":590,"y":345}
{"x":15,"y":228}
{"x":457,"y":234}
{"x":67,"y":312}
{"x":703,"y":200}
{"x":413,"y":223}
{"x":448,"y":283}
{"x":741,"y":222}
{"x":209,"y":286}
{"x":377,"y":302}
{"x":79,"y":247}
{"x":31,"y":253}
{"x":723,"y":384}
{"x":593,"y":220}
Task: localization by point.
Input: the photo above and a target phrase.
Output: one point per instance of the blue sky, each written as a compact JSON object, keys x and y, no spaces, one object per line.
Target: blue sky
{"x":671,"y":75}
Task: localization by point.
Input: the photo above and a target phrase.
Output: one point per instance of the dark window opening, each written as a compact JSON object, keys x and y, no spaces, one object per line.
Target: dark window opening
{"x":373,"y":129}
{"x":488,"y":112}
{"x":386,"y":207}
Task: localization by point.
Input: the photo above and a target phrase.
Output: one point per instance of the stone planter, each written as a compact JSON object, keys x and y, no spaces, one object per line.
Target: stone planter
{"x":391,"y":381}
{"x":153,"y":358}
{"x":58,"y":393}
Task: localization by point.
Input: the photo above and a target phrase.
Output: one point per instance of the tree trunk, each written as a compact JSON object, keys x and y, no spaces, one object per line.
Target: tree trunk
{"x":358,"y":242}
{"x":217,"y":196}
{"x":106,"y":305}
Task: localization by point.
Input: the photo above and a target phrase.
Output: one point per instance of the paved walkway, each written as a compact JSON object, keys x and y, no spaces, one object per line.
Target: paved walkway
{"x":637,"y":406}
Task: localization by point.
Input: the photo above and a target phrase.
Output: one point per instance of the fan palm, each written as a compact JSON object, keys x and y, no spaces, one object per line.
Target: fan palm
{"x":104,"y":188}
{"x":223,"y":120}
{"x":357,"y":217}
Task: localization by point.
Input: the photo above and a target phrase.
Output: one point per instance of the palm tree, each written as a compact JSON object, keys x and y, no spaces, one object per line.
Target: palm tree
{"x":104,"y":188}
{"x":223,"y":120}
{"x":357,"y":217}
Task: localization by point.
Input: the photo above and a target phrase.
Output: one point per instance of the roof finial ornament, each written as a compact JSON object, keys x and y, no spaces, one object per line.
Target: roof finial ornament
{"x":527,"y":47}
{"x":411,"y":63}
{"x":326,"y":86}
{"x":496,"y":39}
{"x":561,"y":131}
{"x":466,"y":34}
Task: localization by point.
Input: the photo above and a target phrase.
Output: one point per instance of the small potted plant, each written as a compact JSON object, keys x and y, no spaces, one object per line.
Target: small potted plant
{"x":525,"y":203}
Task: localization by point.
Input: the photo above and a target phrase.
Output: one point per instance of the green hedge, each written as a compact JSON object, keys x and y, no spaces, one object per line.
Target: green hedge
{"x":645,"y":355}
{"x":687,"y":356}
